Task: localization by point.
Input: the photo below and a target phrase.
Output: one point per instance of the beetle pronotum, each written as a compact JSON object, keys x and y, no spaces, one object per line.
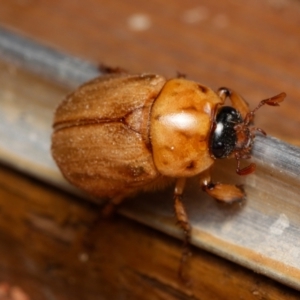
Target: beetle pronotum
{"x":121,"y":134}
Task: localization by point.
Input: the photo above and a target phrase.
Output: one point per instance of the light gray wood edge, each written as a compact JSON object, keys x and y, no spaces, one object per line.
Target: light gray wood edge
{"x":262,"y":233}
{"x":43,"y":60}
{"x":277,"y":154}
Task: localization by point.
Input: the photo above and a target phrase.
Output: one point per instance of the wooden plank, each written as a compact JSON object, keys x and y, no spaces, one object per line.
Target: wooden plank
{"x":272,"y":190}
{"x":42,"y":254}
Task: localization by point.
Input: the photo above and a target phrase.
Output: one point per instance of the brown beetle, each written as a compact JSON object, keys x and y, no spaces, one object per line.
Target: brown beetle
{"x":120,"y":134}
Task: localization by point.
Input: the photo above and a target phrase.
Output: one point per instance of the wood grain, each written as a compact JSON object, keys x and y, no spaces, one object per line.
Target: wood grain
{"x":43,"y":249}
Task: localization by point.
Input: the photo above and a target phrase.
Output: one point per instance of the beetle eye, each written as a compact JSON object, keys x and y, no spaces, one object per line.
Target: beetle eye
{"x":223,"y":137}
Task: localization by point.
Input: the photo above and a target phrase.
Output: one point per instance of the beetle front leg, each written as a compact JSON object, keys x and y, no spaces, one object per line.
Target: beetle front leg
{"x":227,"y":193}
{"x":183,"y":222}
{"x":237,"y":101}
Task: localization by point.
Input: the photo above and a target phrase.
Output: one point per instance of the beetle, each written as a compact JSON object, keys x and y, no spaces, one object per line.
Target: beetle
{"x":121,"y":134}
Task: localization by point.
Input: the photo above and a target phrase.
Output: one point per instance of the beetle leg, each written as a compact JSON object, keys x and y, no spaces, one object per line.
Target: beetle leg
{"x":180,"y":75}
{"x":183,"y":222}
{"x":237,"y":101}
{"x":111,"y":205}
{"x":227,"y":193}
{"x":110,"y":70}
{"x":107,"y":211}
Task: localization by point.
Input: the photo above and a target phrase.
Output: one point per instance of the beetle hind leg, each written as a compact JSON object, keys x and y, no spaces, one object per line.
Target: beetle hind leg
{"x":183,"y":222}
{"x":106,"y":212}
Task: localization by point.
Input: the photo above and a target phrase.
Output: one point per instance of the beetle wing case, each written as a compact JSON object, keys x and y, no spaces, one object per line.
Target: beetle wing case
{"x":101,"y":134}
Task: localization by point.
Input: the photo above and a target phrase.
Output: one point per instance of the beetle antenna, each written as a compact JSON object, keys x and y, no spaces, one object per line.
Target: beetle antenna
{"x":273,"y":101}
{"x":248,"y":134}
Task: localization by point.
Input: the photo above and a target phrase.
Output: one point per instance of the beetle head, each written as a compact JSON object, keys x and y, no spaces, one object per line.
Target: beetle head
{"x":233,"y":136}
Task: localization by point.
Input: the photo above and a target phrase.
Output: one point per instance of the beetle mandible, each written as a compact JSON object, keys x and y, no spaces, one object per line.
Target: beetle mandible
{"x":121,"y":134}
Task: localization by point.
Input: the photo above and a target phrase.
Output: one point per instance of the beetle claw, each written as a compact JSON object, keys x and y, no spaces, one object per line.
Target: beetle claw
{"x":247,"y":170}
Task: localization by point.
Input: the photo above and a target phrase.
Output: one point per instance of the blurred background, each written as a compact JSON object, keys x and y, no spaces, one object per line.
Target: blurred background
{"x":249,"y":46}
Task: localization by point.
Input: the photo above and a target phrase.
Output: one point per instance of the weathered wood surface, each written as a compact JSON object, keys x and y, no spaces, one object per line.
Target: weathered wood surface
{"x":26,"y":116}
{"x":41,"y":249}
{"x":227,"y":47}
